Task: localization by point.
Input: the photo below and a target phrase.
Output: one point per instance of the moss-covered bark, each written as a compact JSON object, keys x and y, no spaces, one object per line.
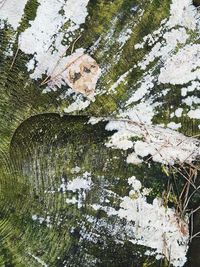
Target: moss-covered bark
{"x":39,"y":147}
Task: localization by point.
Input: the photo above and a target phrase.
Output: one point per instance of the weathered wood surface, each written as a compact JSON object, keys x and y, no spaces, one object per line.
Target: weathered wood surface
{"x":63,"y":191}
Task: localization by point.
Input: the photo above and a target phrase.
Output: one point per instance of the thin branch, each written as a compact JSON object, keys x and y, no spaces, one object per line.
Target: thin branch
{"x":14,"y":59}
{"x":2,"y":3}
{"x":192,"y":212}
{"x":184,"y":176}
{"x":72,"y":50}
{"x":189,"y":198}
{"x":192,"y":226}
{"x":195,"y":235}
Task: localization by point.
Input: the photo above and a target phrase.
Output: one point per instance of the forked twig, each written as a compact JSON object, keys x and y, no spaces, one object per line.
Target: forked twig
{"x":176,"y":169}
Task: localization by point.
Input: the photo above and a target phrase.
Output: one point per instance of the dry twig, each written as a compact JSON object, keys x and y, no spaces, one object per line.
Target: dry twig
{"x":14,"y":59}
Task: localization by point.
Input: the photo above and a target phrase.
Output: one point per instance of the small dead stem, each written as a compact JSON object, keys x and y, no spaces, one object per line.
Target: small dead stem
{"x":186,"y":178}
{"x":73,"y":45}
{"x":195,"y":235}
{"x":2,"y":3}
{"x":14,"y":59}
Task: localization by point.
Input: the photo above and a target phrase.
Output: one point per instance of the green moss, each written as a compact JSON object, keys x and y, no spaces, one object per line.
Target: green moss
{"x":77,"y":143}
{"x":196,"y":3}
{"x":30,"y":11}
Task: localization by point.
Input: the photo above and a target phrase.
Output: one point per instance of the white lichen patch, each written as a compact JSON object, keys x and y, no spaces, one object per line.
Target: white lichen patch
{"x":182,"y":67}
{"x":195,"y":85}
{"x":94,"y":120}
{"x":124,"y":37}
{"x":42,"y":220}
{"x":74,"y":190}
{"x":118,"y":82}
{"x":78,"y":104}
{"x":76,"y":169}
{"x":174,"y":126}
{"x":134,"y":159}
{"x":141,"y":113}
{"x":150,"y":225}
{"x":175,"y":52}
{"x":160,"y":144}
{"x":155,"y":226}
{"x":44,"y":38}
{"x":80,"y":183}
{"x":120,"y":139}
{"x":178,"y":112}
{"x":79,"y":186}
{"x":194,"y":114}
{"x":183,"y":13}
{"x":12,"y":12}
{"x":144,"y":85}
